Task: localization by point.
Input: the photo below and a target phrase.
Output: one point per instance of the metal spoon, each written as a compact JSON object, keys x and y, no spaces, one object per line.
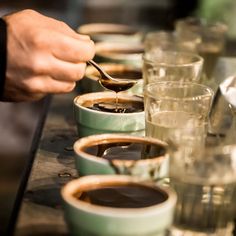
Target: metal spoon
{"x":108,"y":82}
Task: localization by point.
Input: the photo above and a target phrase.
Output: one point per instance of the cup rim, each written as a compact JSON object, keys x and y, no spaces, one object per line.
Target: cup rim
{"x":101,"y":138}
{"x":172,"y":35}
{"x":103,"y":48}
{"x":97,"y":28}
{"x":71,"y":187}
{"x":105,"y":94}
{"x":199,"y":59}
{"x":217,"y":27}
{"x":208,"y":91}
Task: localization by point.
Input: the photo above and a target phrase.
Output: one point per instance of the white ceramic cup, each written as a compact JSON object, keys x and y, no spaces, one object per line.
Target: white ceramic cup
{"x":110,"y":32}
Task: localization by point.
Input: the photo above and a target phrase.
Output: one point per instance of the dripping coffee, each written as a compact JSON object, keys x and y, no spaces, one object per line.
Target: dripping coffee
{"x":110,"y":105}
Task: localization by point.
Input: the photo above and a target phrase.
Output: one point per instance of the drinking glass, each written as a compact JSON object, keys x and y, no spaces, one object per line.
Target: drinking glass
{"x":170,"y":41}
{"x":177,"y":112}
{"x":212,"y":36}
{"x":162,"y":65}
{"x":205,"y":183}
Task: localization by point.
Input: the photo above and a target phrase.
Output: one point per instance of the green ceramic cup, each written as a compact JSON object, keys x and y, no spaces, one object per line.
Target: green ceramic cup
{"x":114,"y":52}
{"x":87,"y":219}
{"x":96,"y":122}
{"x":111,"y":32}
{"x":129,"y":156}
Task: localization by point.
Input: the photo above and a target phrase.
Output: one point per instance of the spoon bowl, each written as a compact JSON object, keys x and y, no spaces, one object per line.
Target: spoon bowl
{"x":108,"y":82}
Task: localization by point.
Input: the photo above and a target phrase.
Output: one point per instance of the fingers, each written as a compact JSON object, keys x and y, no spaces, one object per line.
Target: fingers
{"x":44,"y":56}
{"x":18,"y":93}
{"x":66,"y":71}
{"x":55,"y":68}
{"x":82,"y":36}
{"x":35,"y":88}
{"x":69,"y":49}
{"x":56,"y":86}
{"x":47,"y":84}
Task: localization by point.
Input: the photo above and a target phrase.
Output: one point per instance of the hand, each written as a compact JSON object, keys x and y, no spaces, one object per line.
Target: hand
{"x":43,"y":56}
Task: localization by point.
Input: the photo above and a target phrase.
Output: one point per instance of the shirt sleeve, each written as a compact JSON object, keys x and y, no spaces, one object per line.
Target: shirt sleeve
{"x":3,"y":55}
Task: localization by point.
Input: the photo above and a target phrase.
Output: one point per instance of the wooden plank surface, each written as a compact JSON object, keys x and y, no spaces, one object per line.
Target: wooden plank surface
{"x":41,"y":211}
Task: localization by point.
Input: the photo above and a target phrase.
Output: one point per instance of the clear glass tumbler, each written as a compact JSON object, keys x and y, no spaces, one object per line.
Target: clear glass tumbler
{"x":212,"y":36}
{"x":171,"y":41}
{"x":177,"y":112}
{"x":205,"y":183}
{"x":172,"y":66}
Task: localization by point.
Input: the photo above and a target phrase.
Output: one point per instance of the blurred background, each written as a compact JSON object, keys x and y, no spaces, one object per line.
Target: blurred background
{"x":21,"y":123}
{"x":157,"y":14}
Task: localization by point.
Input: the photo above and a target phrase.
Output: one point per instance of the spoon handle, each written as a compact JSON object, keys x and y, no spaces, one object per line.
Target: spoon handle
{"x":93,"y":63}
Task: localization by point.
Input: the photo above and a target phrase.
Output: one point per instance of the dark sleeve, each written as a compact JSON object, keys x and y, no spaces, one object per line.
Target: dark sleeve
{"x":3,"y":55}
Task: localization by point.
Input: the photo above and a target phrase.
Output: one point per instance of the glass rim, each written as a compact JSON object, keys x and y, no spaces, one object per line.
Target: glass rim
{"x":199,"y":23}
{"x":189,"y":37}
{"x":199,"y":59}
{"x":208,"y":92}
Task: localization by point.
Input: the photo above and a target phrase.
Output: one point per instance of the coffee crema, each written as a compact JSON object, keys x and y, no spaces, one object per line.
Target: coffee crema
{"x":121,"y":195}
{"x":126,"y":150}
{"x":110,"y":105}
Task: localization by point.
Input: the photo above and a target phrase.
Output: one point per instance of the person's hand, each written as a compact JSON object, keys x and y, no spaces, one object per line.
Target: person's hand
{"x":43,"y":56}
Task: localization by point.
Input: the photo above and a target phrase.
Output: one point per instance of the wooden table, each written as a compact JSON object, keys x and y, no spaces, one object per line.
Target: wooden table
{"x":41,"y":210}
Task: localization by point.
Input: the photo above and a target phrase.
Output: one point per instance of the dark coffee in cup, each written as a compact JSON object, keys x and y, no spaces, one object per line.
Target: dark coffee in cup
{"x":122,"y":195}
{"x":110,"y":105}
{"x":126,"y":74}
{"x":117,"y":150}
